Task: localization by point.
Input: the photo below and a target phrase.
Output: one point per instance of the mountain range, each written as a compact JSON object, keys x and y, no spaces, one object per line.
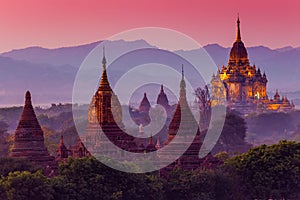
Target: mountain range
{"x":50,"y":73}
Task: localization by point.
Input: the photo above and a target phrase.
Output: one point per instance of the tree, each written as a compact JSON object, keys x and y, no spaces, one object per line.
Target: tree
{"x":204,"y":105}
{"x":271,"y":127}
{"x":202,"y":184}
{"x":87,"y":178}
{"x":51,"y":139}
{"x":270,"y":170}
{"x":233,"y":135}
{"x":15,"y":164}
{"x":4,"y":144}
{"x":26,"y":186}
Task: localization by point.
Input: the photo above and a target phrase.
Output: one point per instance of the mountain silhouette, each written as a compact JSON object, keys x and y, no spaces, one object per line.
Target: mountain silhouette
{"x":50,"y":73}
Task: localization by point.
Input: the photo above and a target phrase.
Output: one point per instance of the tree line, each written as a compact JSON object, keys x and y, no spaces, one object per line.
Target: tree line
{"x":262,"y":172}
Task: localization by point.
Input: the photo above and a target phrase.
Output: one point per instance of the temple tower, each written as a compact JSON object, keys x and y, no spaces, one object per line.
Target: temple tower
{"x":244,"y":84}
{"x":162,"y":99}
{"x":184,"y":119}
{"x":29,"y":138}
{"x":105,"y":118}
{"x":144,"y":105}
{"x":62,"y":151}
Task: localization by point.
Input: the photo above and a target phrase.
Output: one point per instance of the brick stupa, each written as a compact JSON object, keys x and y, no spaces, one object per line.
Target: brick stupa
{"x":183,"y":117}
{"x":29,"y":138}
{"x":103,"y":126}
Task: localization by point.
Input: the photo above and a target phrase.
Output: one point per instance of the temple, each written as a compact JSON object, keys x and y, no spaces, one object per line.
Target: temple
{"x":141,"y":116}
{"x":184,"y":122}
{"x":103,"y":128}
{"x":162,"y":100}
{"x":244,"y":86}
{"x":76,"y":151}
{"x":105,"y":120}
{"x":29,"y":139}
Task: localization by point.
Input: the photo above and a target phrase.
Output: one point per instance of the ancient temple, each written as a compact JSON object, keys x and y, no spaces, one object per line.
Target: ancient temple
{"x":244,"y":86}
{"x":62,"y":152}
{"x":29,"y":139}
{"x":141,"y":115}
{"x":103,"y":129}
{"x":184,"y":119}
{"x":162,"y":99}
{"x":75,"y":151}
{"x":105,"y":120}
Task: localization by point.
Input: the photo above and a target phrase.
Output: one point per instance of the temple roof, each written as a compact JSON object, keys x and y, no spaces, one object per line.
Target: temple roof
{"x":145,"y":104}
{"x":29,"y":126}
{"x":29,"y":138}
{"x":162,"y":98}
{"x":238,"y":51}
{"x":104,"y":84}
{"x":61,"y":145}
{"x":276,"y":96}
{"x":183,"y":114}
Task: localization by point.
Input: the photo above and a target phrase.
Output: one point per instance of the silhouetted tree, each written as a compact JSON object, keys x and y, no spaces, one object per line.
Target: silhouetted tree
{"x":270,"y":171}
{"x":8,"y":164}
{"x":232,"y":138}
{"x":204,"y":101}
{"x":4,"y":143}
{"x":26,"y":186}
{"x":87,"y":178}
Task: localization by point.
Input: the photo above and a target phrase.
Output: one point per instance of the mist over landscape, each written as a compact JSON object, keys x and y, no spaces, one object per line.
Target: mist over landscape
{"x":50,"y":73}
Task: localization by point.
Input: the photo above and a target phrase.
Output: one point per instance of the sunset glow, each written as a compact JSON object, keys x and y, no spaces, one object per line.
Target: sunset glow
{"x":66,"y":23}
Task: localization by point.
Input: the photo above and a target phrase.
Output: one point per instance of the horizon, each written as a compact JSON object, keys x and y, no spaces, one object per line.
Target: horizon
{"x":191,"y":49}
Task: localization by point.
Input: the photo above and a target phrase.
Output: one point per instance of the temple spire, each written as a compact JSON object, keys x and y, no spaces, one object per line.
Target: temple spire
{"x":238,"y":33}
{"x":182,"y":72}
{"x":28,"y":117}
{"x":182,"y":84}
{"x":104,"y":59}
{"x":104,"y":80}
{"x":27,"y":98}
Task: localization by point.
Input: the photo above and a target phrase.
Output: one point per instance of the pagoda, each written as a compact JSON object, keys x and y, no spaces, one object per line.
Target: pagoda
{"x":75,"y":151}
{"x":243,"y":84}
{"x":184,"y":121}
{"x":141,"y":115}
{"x":29,"y":138}
{"x":105,"y":120}
{"x":162,"y":99}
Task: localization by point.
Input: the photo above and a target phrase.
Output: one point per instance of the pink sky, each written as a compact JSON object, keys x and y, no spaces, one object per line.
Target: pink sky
{"x":57,"y":23}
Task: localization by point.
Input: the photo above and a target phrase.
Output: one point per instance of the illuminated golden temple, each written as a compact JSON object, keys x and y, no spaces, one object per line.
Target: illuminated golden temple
{"x":243,"y":86}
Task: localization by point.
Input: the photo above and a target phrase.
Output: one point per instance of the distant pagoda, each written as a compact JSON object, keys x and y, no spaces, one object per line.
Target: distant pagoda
{"x":162,"y":100}
{"x":105,"y":120}
{"x":141,"y":115}
{"x":29,"y":138}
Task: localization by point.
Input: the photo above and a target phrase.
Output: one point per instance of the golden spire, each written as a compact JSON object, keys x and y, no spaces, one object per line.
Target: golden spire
{"x":238,"y":32}
{"x":104,"y":79}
